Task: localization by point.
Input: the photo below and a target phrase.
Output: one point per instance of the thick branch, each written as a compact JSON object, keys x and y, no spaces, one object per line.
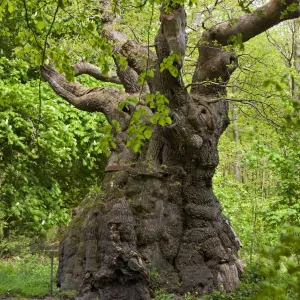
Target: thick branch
{"x":105,"y":100}
{"x":172,"y":37}
{"x":129,"y":79}
{"x":84,"y":67}
{"x":173,"y":26}
{"x":251,"y":25}
{"x":139,"y":58}
{"x":215,"y":63}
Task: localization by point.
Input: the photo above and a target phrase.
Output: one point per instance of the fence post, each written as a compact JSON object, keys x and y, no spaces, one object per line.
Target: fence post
{"x":51,"y":273}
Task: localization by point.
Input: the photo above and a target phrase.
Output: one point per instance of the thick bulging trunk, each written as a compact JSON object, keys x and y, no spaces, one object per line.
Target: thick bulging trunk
{"x":157,"y":221}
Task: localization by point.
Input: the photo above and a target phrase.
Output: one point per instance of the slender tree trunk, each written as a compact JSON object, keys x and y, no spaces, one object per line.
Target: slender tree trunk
{"x":296,"y":51}
{"x":6,"y":233}
{"x":237,"y":165}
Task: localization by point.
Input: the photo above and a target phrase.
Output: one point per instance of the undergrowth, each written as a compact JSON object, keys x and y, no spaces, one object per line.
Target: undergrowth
{"x":28,"y":276}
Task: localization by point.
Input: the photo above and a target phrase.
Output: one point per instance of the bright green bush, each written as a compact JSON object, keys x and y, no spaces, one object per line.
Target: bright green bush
{"x":51,"y":155}
{"x":282,"y":273}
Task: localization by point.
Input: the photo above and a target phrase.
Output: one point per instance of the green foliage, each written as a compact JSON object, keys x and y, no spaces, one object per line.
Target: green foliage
{"x":15,"y":246}
{"x":154,"y":277}
{"x":140,"y":129}
{"x":245,"y":6}
{"x":144,"y":75}
{"x":139,"y":132}
{"x":49,"y":160}
{"x":290,"y":8}
{"x":270,"y":82}
{"x":127,"y":102}
{"x":266,"y":150}
{"x":25,"y":277}
{"x":169,"y":64}
{"x":237,"y":41}
{"x":191,"y":296}
{"x":107,"y":140}
{"x":121,"y":61}
{"x":158,"y":103}
{"x":242,"y":292}
{"x":282,"y":274}
{"x":163,"y":295}
{"x":69,"y":294}
{"x":31,"y":28}
{"x":284,"y":162}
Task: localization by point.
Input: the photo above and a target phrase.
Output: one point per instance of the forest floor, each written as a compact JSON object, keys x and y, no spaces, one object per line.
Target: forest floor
{"x":18,"y":298}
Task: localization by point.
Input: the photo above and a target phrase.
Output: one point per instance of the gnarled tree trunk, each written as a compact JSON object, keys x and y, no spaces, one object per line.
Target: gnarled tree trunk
{"x":157,"y":220}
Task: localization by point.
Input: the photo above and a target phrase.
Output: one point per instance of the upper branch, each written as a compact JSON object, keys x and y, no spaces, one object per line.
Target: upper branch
{"x":250,"y":25}
{"x":128,"y":77}
{"x":105,"y":100}
{"x":171,"y":39}
{"x":215,"y":63}
{"x":139,"y":58}
{"x":84,"y":67}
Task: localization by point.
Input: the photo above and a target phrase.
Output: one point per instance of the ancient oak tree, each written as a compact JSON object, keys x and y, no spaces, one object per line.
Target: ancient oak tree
{"x":157,"y":212}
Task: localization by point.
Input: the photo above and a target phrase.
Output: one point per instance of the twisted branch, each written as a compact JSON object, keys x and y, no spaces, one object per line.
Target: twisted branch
{"x":105,"y":100}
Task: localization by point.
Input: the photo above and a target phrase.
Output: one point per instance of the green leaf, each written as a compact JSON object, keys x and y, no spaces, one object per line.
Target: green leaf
{"x":10,"y":7}
{"x":40,"y":25}
{"x":148,"y":133}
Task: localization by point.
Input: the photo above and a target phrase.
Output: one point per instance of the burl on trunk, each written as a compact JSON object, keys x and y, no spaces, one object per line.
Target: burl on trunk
{"x":157,"y":221}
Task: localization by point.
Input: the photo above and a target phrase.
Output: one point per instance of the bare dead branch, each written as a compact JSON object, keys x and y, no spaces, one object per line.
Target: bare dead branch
{"x":287,"y":56}
{"x":261,"y":115}
{"x":253,"y":103}
{"x":210,"y":10}
{"x":206,"y":82}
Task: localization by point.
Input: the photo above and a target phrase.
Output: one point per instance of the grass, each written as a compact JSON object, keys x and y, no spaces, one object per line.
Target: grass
{"x":26,"y":277}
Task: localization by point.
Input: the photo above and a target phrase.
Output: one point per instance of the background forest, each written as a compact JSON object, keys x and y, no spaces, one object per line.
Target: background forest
{"x":52,"y":155}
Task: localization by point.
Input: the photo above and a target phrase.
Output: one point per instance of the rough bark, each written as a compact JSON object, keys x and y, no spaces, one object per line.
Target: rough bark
{"x":84,"y":67}
{"x":157,"y":213}
{"x":296,"y":54}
